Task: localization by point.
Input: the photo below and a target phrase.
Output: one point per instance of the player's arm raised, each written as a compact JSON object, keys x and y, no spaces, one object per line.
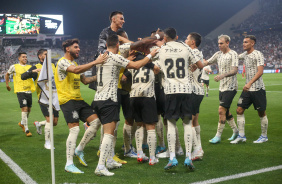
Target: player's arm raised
{"x":138,"y":64}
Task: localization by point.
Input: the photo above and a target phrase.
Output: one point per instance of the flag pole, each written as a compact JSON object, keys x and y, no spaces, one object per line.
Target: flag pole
{"x":50,"y":74}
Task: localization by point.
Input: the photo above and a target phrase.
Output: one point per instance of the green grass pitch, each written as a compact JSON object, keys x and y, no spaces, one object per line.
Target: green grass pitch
{"x":219,"y":160}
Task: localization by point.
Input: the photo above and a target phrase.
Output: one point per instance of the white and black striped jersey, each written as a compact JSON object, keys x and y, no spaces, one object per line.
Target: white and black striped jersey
{"x":252,"y":61}
{"x":205,"y":74}
{"x":142,"y":82}
{"x":198,"y":89}
{"x":226,"y":62}
{"x":108,"y":76}
{"x":174,"y":61}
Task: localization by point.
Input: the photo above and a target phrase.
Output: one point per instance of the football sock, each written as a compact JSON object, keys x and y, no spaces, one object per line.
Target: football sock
{"x":42,"y":123}
{"x":233,"y":125}
{"x":171,"y":137}
{"x":106,"y":148}
{"x":145,"y":136}
{"x":152,"y":140}
{"x":133,"y":130}
{"x":264,"y":125}
{"x":71,"y":143}
{"x":220,"y":129}
{"x":24,"y":120}
{"x":160,"y":131}
{"x":187,"y":123}
{"x":178,"y":144}
{"x":127,"y":129}
{"x":139,"y":135}
{"x":89,"y":133}
{"x":115,"y":139}
{"x":195,"y":143}
{"x":47,"y":131}
{"x":101,"y":136}
{"x":198,"y":131}
{"x":241,"y":124}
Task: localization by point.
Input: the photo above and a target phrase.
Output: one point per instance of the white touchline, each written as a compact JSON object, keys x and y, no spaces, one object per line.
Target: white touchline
{"x":17,"y":170}
{"x":241,"y":175}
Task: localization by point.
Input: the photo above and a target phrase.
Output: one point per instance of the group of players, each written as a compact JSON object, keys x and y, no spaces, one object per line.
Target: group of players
{"x":167,"y":86}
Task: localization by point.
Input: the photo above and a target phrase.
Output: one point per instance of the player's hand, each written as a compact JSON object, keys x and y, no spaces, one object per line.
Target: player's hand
{"x":123,"y":78}
{"x":154,"y":52}
{"x":36,"y":70}
{"x":102,"y":58}
{"x":139,"y":39}
{"x":8,"y":88}
{"x":156,"y":69}
{"x":218,"y":78}
{"x":246,"y":87}
{"x":160,"y":33}
{"x":205,"y":62}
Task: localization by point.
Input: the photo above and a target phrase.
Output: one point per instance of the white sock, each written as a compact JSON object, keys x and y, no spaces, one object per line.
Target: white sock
{"x":198,"y":131}
{"x":134,"y":128}
{"x":178,"y":144}
{"x":115,"y":139}
{"x":145,"y":136}
{"x":89,"y":133}
{"x":106,"y":147}
{"x":25,"y":120}
{"x":220,"y":128}
{"x":241,"y":124}
{"x":42,"y":123}
{"x":171,"y":137}
{"x":233,"y":125}
{"x":127,"y":129}
{"x":139,"y":136}
{"x":101,"y":136}
{"x":207,"y":92}
{"x":187,"y":123}
{"x":47,"y":131}
{"x":71,"y":143}
{"x":264,"y":125}
{"x":160,"y":131}
{"x":195,"y":143}
{"x":152,"y":141}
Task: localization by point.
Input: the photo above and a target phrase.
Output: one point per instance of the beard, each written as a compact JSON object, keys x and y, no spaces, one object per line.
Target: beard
{"x":73,"y":55}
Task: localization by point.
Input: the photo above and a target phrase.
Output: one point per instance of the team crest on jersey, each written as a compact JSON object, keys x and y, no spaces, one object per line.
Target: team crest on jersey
{"x":75,"y":115}
{"x":240,"y":100}
{"x":24,"y":101}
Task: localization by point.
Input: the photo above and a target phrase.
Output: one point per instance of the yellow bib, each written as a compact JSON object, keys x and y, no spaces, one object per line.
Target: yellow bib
{"x":19,"y":84}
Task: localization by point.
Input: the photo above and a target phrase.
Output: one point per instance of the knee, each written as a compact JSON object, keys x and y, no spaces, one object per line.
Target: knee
{"x":221,"y":111}
{"x":55,"y":123}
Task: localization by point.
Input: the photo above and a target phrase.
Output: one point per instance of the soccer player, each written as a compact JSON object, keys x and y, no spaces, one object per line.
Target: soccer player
{"x":34,"y":73}
{"x":253,"y":91}
{"x":67,"y":79}
{"x":105,"y":101}
{"x":23,"y":89}
{"x":193,"y":41}
{"x":205,"y":79}
{"x":174,"y":60}
{"x":227,"y":61}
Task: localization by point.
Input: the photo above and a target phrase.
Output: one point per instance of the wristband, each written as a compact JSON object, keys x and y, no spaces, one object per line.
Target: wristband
{"x":149,"y":56}
{"x":158,"y":36}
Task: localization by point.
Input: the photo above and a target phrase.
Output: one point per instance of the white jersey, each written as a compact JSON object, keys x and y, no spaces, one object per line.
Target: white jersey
{"x":142,"y":82}
{"x":198,"y":89}
{"x":226,"y":62}
{"x":107,"y":77}
{"x":174,"y":61}
{"x":252,"y":61}
{"x":205,"y":74}
{"x":124,"y":49}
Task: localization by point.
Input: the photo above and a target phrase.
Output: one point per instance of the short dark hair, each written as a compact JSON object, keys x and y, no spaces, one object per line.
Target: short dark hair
{"x":41,"y":52}
{"x":112,"y":40}
{"x":170,"y":32}
{"x":252,"y":37}
{"x":69,"y":42}
{"x":20,"y":53}
{"x":114,"y":13}
{"x":153,"y":31}
{"x":197,"y":38}
{"x":120,"y":32}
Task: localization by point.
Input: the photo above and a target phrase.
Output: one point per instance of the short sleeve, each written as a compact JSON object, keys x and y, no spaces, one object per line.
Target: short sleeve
{"x":11,"y":69}
{"x":63,"y":65}
{"x":234,"y":57}
{"x":213,"y":59}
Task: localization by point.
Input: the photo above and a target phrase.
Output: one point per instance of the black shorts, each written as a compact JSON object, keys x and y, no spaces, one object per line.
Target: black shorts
{"x":107,"y":110}
{"x":75,"y":110}
{"x":45,"y":111}
{"x":144,"y":109}
{"x":124,"y":101}
{"x":257,"y":98}
{"x":160,"y":99}
{"x":226,"y":98}
{"x":207,"y":82}
{"x":196,"y":102}
{"x":178,"y":106}
{"x":25,"y":99}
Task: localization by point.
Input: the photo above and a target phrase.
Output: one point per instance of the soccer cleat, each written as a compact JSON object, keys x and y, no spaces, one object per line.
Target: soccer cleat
{"x":28,"y":133}
{"x":73,"y":169}
{"x":130,"y":154}
{"x":171,"y":163}
{"x":153,"y":161}
{"x":239,"y":139}
{"x":113,"y":165}
{"x":38,"y":127}
{"x":179,"y":152}
{"x":142,"y":158}
{"x":163,"y":155}
{"x":145,"y":146}
{"x":261,"y":139}
{"x":103,"y":172}
{"x":21,"y":126}
{"x":47,"y":145}
{"x":234,"y":136}
{"x":80,"y":156}
{"x":215,"y":140}
{"x":160,"y":149}
{"x":117,"y":159}
{"x":188,"y":163}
